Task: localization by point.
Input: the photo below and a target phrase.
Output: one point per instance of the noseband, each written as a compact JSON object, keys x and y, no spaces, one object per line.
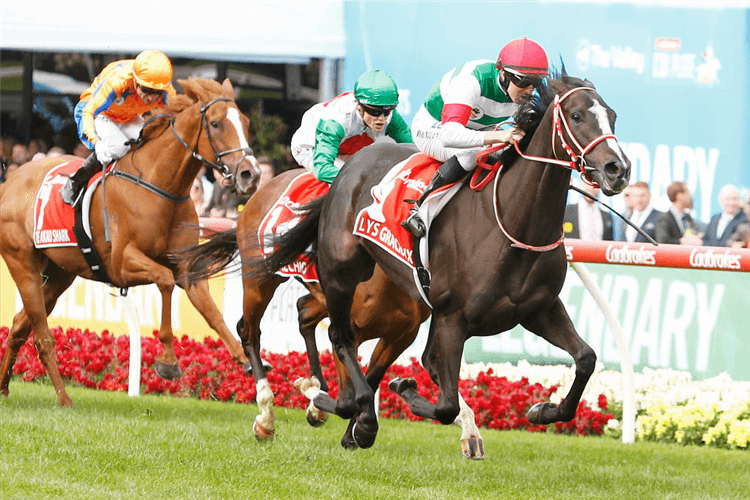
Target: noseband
{"x":220,"y":166}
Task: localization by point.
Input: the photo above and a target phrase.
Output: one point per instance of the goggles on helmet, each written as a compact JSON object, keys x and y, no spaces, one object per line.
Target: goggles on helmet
{"x":376,"y":111}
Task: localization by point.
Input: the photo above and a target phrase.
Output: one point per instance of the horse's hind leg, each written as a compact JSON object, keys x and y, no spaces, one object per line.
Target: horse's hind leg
{"x":255,"y":301}
{"x":52,"y":285}
{"x":555,"y":327}
{"x":310,"y":312}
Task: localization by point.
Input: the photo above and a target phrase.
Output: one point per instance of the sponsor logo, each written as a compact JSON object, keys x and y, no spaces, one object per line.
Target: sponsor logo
{"x":477,"y":113}
{"x":626,"y":255}
{"x":709,"y":259}
{"x":593,"y":55}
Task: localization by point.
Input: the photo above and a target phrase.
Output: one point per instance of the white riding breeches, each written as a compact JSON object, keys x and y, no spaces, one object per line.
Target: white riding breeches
{"x":115,"y":135}
{"x":427,"y":131}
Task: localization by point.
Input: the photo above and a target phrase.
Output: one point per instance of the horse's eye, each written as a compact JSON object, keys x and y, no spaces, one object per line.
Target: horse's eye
{"x":215,"y":124}
{"x":576,"y":116}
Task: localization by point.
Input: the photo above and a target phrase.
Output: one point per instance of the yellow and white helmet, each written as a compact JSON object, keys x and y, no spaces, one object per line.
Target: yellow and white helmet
{"x":152,"y":69}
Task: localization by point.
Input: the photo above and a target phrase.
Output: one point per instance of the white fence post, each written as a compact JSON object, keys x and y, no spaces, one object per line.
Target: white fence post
{"x":626,"y":364}
{"x":134,"y":378}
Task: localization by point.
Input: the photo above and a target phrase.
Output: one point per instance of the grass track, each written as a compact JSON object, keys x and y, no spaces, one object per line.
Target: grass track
{"x":113,"y":446}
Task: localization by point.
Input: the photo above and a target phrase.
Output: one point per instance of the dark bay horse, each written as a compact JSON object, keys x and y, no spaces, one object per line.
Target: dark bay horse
{"x":496,"y":255}
{"x":149,"y":214}
{"x":380,"y":310}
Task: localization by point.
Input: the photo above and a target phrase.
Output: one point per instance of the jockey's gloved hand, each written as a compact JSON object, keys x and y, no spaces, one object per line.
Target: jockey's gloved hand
{"x":103,"y":153}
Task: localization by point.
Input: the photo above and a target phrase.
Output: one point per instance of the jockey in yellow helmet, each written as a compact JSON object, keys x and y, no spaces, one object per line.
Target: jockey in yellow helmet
{"x":110,"y":112}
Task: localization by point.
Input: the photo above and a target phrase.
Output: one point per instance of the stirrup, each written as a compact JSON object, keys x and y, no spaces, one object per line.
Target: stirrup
{"x":414,"y":224}
{"x":69,"y":194}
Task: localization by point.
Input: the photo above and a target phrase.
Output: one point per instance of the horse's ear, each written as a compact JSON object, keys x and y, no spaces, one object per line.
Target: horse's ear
{"x":588,"y":84}
{"x":228,"y":89}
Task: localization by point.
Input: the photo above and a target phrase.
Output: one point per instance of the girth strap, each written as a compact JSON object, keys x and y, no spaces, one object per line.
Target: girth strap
{"x":87,"y":248}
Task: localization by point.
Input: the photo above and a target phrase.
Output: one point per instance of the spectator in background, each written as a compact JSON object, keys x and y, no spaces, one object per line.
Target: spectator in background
{"x":676,"y":225}
{"x":55,"y":151}
{"x":267,"y":170}
{"x":6,"y":148}
{"x":208,"y":185}
{"x":619,"y":225}
{"x":81,"y":150}
{"x":585,"y":220}
{"x":724,"y":224}
{"x":20,"y":154}
{"x":740,"y":238}
{"x":196,"y":196}
{"x":644,"y":215}
{"x":9,"y":169}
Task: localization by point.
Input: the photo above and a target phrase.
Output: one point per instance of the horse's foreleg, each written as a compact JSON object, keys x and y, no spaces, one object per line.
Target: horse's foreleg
{"x":201,"y":299}
{"x":166,"y":364}
{"x":472,"y":445}
{"x":136,"y":267}
{"x":442,"y":360}
{"x":555,"y":327}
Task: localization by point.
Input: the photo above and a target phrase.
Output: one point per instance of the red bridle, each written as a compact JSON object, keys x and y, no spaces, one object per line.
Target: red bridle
{"x":577,"y":162}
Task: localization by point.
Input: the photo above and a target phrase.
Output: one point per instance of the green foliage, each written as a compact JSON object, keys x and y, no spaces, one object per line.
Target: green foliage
{"x":267,"y":137}
{"x":113,"y":446}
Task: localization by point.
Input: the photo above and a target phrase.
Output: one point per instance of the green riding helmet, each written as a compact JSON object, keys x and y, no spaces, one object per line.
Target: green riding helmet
{"x":376,"y":88}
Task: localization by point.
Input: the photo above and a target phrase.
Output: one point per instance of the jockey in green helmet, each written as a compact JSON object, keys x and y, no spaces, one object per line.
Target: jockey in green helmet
{"x":332,"y":131}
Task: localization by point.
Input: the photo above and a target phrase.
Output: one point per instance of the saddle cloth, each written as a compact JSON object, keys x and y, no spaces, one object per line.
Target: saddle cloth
{"x":284,"y":215}
{"x":393,"y":198}
{"x":53,"y":219}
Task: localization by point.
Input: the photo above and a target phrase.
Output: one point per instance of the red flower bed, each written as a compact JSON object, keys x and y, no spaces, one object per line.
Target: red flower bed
{"x":102,"y":362}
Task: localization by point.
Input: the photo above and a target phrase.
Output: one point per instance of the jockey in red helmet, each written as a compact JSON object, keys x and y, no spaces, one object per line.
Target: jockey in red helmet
{"x":109,"y":112}
{"x":462,"y":110}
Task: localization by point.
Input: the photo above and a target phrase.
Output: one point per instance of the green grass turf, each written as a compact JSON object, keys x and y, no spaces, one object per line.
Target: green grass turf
{"x":114,"y":446}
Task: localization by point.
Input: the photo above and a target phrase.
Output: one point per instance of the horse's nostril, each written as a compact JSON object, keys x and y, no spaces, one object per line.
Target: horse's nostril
{"x":612,"y":169}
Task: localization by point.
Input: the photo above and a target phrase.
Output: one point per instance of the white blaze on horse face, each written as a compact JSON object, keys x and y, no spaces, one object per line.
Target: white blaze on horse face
{"x":600,"y":112}
{"x":233,"y":115}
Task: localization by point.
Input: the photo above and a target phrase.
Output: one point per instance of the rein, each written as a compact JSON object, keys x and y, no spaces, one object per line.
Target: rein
{"x":577,"y":162}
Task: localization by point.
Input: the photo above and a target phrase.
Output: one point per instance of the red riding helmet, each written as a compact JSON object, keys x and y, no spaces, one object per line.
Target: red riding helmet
{"x":523,"y":57}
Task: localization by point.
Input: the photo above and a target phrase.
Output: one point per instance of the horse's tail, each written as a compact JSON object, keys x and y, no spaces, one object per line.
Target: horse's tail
{"x":211,"y":257}
{"x":300,"y":240}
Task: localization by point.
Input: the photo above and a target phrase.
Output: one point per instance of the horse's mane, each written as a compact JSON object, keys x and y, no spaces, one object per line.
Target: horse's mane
{"x":196,"y":90}
{"x":531,"y":112}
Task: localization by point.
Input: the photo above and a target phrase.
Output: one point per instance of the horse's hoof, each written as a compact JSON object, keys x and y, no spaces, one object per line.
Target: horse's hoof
{"x":262,"y":433}
{"x":399,"y":385}
{"x":316,"y":417}
{"x":348,"y":442}
{"x":473,"y":448}
{"x":535,"y":413}
{"x":168,"y":372}
{"x":364,"y":438}
{"x":248,"y":367}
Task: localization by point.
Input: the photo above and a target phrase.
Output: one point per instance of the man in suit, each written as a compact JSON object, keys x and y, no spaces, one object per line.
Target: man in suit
{"x":644,"y":215}
{"x":724,"y":224}
{"x":586,"y":221}
{"x":676,"y":226}
{"x":628,"y":196}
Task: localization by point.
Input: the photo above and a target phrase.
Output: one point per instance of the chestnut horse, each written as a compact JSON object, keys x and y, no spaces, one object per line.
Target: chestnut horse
{"x":149,"y":214}
{"x":496,"y":254}
{"x":381,"y":310}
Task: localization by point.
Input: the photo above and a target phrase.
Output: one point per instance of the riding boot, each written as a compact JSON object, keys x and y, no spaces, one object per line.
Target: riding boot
{"x":448,"y":173}
{"x":72,"y":190}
